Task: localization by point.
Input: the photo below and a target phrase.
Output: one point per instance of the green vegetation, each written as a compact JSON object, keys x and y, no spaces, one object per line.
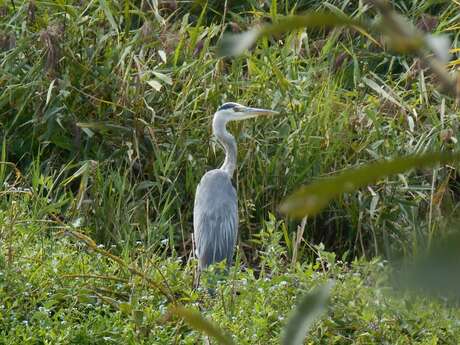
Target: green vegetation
{"x":105,"y":112}
{"x":56,"y":291}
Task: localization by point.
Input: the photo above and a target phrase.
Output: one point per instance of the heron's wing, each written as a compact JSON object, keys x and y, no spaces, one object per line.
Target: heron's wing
{"x":215,"y":218}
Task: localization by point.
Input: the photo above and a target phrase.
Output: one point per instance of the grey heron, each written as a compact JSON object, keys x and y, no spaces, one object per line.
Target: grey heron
{"x":215,"y":213}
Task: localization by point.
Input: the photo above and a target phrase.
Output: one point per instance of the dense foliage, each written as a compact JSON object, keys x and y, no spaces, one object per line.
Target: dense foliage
{"x":54,"y":290}
{"x":105,"y":112}
{"x":115,"y":103}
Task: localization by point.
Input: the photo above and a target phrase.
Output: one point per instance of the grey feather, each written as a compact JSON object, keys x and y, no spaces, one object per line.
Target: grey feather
{"x":215,"y":218}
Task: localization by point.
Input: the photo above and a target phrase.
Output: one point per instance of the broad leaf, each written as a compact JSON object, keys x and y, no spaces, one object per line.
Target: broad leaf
{"x":235,"y":44}
{"x":309,"y":21}
{"x":310,"y":308}
{"x":199,"y":323}
{"x":311,"y":199}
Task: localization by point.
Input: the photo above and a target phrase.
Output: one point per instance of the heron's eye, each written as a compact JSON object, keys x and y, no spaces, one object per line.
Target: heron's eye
{"x":237,"y":109}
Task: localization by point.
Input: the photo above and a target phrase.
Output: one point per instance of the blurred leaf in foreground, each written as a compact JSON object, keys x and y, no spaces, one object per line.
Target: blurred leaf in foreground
{"x":311,"y":199}
{"x":437,"y":272}
{"x":199,"y":323}
{"x":310,"y":308}
{"x":400,"y":34}
{"x":235,"y":44}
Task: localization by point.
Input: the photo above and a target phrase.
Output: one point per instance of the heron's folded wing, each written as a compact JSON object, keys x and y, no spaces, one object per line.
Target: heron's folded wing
{"x":215,"y":218}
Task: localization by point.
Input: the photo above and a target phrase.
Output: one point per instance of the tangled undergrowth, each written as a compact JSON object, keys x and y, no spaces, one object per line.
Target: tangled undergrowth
{"x":55,"y":289}
{"x":105,"y":111}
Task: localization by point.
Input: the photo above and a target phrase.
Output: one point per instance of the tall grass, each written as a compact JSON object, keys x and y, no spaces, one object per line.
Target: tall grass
{"x":127,"y":92}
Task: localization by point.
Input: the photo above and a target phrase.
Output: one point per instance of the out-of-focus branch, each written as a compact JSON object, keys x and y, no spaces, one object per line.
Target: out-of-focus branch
{"x":402,"y":33}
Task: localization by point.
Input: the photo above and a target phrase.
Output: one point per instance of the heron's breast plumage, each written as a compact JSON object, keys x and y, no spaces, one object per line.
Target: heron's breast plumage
{"x":215,"y":218}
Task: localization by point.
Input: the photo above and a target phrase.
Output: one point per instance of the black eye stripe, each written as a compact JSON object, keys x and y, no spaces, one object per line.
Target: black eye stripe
{"x":228,"y":105}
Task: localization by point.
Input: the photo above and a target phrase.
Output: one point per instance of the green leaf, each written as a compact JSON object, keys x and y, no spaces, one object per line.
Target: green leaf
{"x":310,"y":308}
{"x":138,"y":317}
{"x":311,"y":199}
{"x":198,"y":322}
{"x":143,"y":185}
{"x":235,"y":44}
{"x":86,"y":298}
{"x":125,"y":308}
{"x":103,"y":126}
{"x":310,"y":21}
{"x":381,"y":91}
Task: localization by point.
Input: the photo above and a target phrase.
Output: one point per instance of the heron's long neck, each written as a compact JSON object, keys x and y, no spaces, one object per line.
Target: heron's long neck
{"x":228,"y":142}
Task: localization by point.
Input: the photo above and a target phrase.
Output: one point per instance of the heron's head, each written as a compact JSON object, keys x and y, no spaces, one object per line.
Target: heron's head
{"x":233,"y":111}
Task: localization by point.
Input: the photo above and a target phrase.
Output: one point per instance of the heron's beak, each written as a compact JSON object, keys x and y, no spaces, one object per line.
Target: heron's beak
{"x":254,"y":112}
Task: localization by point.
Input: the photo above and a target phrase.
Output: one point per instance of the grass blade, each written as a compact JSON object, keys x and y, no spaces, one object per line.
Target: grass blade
{"x":108,"y":13}
{"x":48,"y":94}
{"x":311,"y":199}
